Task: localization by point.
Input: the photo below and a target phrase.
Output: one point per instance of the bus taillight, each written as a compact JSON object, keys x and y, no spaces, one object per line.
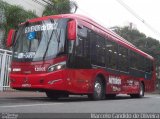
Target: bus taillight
{"x":71,"y":29}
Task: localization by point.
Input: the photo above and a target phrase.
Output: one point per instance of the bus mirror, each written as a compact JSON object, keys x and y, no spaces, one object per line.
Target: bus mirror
{"x":10,"y":37}
{"x":71,"y":30}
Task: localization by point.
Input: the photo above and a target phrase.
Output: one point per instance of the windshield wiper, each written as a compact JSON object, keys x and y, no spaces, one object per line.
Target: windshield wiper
{"x":58,"y":40}
{"x":48,"y":41}
{"x":48,"y":45}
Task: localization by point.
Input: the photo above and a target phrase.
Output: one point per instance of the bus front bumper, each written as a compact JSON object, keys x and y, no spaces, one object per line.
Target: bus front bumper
{"x":46,"y":81}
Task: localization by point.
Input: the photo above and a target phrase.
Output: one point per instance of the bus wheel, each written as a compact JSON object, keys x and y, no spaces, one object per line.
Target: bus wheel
{"x":52,"y":95}
{"x":98,"y":93}
{"x":141,"y":92}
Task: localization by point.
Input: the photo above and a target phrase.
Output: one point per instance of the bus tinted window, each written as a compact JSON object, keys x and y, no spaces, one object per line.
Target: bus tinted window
{"x":133,"y":60}
{"x":82,"y":44}
{"x":93,"y":48}
{"x":81,"y":57}
{"x":141,"y":63}
{"x":100,"y":50}
{"x":123,"y":59}
{"x":97,"y":49}
{"x":149,"y":66}
{"x":111,"y":54}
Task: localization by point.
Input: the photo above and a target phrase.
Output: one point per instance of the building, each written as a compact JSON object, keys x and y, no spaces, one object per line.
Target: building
{"x":37,"y":6}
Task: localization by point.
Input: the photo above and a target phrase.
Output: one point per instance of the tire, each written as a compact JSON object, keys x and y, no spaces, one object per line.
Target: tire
{"x":99,"y":90}
{"x":52,"y":95}
{"x":141,"y":92}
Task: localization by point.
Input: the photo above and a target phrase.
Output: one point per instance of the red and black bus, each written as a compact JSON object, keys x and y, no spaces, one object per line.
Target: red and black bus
{"x":71,"y":54}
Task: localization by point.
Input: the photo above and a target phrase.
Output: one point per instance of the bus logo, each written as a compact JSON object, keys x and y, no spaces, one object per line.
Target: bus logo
{"x":114,"y":80}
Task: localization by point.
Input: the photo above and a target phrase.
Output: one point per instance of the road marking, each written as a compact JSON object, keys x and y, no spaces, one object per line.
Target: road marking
{"x":31,"y":105}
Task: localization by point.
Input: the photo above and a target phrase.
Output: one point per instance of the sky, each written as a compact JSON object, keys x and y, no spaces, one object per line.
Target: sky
{"x":110,"y":13}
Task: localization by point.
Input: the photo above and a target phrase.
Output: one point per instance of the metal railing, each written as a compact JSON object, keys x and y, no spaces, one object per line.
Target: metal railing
{"x":5,"y":60}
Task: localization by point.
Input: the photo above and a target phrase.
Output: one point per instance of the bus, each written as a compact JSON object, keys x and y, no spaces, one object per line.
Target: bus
{"x":70,"y":54}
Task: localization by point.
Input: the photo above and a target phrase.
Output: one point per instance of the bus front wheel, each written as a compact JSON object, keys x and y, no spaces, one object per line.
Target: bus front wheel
{"x":52,"y":95}
{"x":56,"y":94}
{"x":98,"y":92}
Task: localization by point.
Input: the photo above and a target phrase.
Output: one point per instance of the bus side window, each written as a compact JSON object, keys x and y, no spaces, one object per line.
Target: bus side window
{"x":123,"y":59}
{"x":93,"y":43}
{"x":133,"y":60}
{"x":81,"y":59}
{"x":82,"y":43}
{"x":100,"y":50}
{"x":141,"y":62}
{"x":111,"y":48}
{"x":149,"y":66}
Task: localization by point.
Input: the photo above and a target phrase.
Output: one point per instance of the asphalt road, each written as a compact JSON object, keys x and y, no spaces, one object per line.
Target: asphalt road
{"x":26,"y":102}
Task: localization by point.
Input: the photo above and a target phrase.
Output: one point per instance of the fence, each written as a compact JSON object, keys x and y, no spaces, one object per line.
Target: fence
{"x":5,"y":60}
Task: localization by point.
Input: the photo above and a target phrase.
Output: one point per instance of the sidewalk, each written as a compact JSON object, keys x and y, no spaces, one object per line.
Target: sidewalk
{"x":10,"y":94}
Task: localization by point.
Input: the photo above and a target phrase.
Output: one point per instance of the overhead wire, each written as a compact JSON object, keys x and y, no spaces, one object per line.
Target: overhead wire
{"x":120,"y":2}
{"x":101,"y":23}
{"x":138,"y":17}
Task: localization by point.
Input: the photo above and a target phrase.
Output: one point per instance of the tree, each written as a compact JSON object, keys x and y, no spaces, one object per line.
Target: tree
{"x":14,"y":15}
{"x":59,"y":7}
{"x":146,"y":44}
{"x":2,"y":23}
{"x":141,"y":41}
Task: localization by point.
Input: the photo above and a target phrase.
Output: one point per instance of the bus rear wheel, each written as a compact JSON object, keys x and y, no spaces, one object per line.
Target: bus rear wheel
{"x":141,"y":92}
{"x":98,"y":92}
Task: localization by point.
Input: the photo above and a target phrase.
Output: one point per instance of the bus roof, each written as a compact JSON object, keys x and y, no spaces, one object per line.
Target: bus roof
{"x":90,"y":21}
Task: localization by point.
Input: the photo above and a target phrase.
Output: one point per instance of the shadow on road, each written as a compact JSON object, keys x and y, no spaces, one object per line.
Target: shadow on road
{"x":69,"y":99}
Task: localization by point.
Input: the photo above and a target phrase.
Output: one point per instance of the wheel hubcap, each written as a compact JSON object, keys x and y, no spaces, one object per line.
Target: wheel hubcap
{"x":141,"y":90}
{"x":98,"y":88}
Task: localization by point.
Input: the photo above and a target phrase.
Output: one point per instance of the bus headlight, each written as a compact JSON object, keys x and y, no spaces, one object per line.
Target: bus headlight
{"x":16,"y":69}
{"x":57,"y":66}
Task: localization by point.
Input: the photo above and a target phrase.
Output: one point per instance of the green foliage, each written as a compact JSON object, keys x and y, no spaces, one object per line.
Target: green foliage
{"x":146,"y":44}
{"x":59,"y":7}
{"x":14,"y":15}
{"x":3,"y":5}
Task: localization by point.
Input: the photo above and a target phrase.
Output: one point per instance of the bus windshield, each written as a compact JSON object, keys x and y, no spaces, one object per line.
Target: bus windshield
{"x":40,"y":40}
